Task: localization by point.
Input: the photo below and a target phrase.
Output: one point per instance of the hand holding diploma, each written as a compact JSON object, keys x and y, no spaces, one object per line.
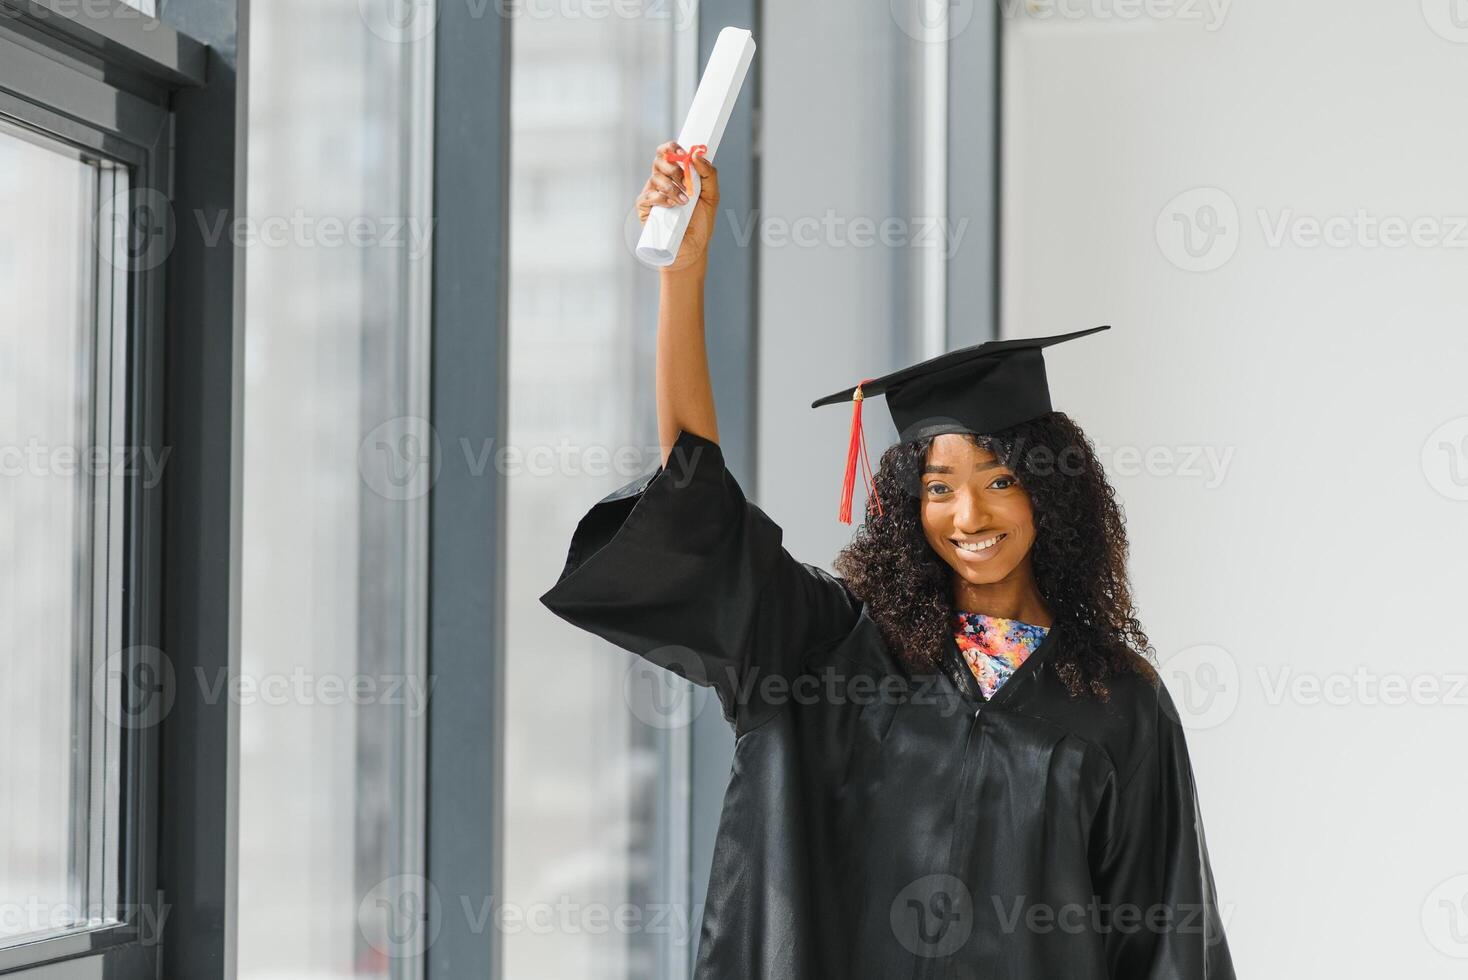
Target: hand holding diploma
{"x":663,"y":226}
{"x":670,"y":186}
{"x":677,"y":207}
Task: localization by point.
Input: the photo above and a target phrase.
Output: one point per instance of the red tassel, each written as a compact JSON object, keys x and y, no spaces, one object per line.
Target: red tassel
{"x":856,"y":447}
{"x":686,"y":158}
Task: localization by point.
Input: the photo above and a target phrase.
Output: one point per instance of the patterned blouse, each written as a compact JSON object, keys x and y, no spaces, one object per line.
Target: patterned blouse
{"x":994,"y":647}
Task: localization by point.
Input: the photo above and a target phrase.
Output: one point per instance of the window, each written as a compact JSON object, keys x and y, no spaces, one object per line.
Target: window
{"x":595,"y":783}
{"x":334,"y":693}
{"x":86,"y":232}
{"x":63,"y":302}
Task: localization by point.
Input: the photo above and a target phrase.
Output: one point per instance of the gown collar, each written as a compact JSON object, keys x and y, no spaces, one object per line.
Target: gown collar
{"x":956,"y":668}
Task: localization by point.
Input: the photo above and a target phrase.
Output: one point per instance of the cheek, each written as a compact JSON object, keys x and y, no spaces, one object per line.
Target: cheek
{"x":1021,"y":516}
{"x":937,"y":521}
{"x":932,"y":521}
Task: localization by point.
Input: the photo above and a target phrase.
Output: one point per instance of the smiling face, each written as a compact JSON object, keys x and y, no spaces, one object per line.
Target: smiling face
{"x":975,"y":514}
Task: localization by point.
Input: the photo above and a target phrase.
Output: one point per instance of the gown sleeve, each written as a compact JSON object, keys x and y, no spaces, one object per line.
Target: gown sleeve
{"x":680,"y":569}
{"x":1152,"y":871}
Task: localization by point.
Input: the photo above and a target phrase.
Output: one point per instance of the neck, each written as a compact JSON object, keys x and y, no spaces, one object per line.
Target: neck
{"x":1016,"y":597}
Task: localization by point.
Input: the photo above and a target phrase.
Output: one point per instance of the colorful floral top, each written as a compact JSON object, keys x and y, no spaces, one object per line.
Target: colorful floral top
{"x":994,"y":647}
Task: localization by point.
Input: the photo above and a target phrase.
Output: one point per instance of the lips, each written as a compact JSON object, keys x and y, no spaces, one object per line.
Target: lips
{"x":979,"y":549}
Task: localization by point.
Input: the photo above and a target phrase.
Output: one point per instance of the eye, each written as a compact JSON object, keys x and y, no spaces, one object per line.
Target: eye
{"x":1004,"y":482}
{"x":938,"y":487}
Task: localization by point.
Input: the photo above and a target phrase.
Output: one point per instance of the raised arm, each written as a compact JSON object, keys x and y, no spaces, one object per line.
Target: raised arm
{"x":685,"y":395}
{"x":678,"y":566}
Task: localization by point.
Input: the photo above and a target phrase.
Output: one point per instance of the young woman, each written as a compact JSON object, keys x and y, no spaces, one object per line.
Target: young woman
{"x":954,"y":760}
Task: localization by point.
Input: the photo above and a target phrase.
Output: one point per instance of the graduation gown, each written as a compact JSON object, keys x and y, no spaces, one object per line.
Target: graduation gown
{"x":892,"y":825}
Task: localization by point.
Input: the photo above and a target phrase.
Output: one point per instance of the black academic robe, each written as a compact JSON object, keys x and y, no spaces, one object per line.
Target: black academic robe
{"x":880,"y":824}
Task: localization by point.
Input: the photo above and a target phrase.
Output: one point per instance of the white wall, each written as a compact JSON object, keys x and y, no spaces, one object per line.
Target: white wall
{"x":1333,"y":538}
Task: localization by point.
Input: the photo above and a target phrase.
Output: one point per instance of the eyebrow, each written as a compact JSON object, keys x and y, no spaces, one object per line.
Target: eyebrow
{"x":936,"y":468}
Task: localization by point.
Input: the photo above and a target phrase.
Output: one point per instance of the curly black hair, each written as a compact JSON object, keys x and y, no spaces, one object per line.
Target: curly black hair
{"x":1079,"y":555}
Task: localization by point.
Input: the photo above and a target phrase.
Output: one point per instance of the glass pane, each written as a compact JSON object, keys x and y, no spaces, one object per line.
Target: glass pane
{"x":59,"y":531}
{"x":335,"y":367}
{"x":594,"y":806}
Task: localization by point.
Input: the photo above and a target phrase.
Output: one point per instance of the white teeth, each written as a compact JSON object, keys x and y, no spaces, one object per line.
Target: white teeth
{"x":979,"y":545}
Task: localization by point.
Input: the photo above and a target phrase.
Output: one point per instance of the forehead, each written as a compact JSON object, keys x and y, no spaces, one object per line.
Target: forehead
{"x":957,"y":452}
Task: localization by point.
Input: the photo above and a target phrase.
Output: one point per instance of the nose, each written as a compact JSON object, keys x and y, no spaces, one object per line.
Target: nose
{"x":969,"y":515}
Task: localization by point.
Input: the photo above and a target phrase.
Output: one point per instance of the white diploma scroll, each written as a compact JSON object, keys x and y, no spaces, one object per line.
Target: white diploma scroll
{"x":718,"y":90}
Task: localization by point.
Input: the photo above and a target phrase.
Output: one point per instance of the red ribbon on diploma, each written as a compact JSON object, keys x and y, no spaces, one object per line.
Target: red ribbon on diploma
{"x":857,"y":449}
{"x":686,"y":158}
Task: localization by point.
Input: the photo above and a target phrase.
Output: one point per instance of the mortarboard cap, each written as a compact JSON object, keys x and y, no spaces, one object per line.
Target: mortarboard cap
{"x":979,"y":389}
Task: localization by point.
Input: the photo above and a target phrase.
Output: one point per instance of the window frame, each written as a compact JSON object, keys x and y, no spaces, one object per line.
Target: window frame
{"x":98,"y":78}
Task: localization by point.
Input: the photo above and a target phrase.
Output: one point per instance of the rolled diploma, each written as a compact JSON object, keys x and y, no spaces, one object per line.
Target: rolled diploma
{"x":718,"y":90}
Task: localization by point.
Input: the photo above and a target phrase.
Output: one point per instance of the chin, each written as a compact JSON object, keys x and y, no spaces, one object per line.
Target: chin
{"x":987,"y":576}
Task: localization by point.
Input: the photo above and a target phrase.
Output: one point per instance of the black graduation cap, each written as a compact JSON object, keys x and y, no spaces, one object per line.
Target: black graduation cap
{"x":979,"y":389}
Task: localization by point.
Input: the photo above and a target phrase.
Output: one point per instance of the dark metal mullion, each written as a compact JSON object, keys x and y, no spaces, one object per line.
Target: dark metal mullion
{"x":973,"y":176}
{"x":142,"y":563}
{"x":201,"y":411}
{"x":467,"y":530}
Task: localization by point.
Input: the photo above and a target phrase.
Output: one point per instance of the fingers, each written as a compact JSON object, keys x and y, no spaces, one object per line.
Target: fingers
{"x":662,"y":165}
{"x":670,"y":187}
{"x":708,"y":174}
{"x":667,"y":168}
{"x":667,"y":177}
{"x":651,"y":198}
{"x":665,"y":186}
{"x":661,"y":192}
